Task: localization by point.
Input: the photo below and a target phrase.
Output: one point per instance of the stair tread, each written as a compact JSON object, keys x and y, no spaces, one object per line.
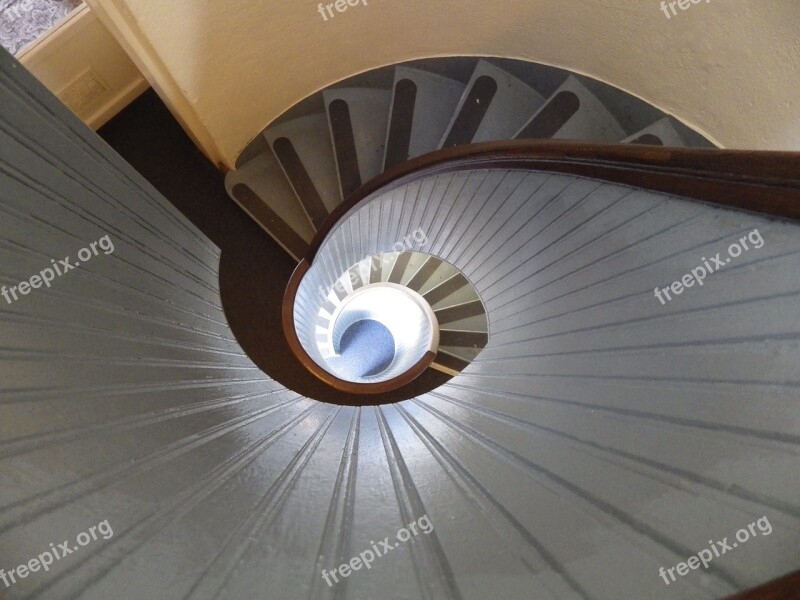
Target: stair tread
{"x":510,"y":104}
{"x":435,"y":101}
{"x":661,"y":129}
{"x":310,"y":138}
{"x":590,"y":120}
{"x":264,"y":176}
{"x":369,"y":116}
{"x":260,"y":188}
{"x":463,"y":339}
{"x":465,"y":354}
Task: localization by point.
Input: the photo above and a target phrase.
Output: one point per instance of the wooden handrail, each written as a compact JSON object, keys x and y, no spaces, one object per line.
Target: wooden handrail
{"x":754,"y":181}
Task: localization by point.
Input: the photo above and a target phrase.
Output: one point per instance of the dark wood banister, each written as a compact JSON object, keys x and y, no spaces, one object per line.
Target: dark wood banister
{"x":754,"y":181}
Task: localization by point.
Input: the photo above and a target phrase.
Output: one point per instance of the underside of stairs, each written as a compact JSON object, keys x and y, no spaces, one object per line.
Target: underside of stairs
{"x":300,"y":168}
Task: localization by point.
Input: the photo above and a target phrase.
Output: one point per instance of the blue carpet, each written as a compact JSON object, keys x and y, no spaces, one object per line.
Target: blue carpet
{"x":367,"y":348}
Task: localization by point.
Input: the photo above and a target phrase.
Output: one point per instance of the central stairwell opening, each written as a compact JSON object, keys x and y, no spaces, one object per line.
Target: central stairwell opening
{"x":295,"y":178}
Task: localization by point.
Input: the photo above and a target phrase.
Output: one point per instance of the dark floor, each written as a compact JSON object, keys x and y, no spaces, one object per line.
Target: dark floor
{"x":254,"y":270}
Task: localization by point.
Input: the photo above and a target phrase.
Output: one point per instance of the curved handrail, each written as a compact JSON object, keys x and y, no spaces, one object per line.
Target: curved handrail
{"x":750,"y":180}
{"x":756,"y":181}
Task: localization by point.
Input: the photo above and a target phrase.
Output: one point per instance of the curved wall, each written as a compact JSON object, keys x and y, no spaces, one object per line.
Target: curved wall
{"x":729,"y":70}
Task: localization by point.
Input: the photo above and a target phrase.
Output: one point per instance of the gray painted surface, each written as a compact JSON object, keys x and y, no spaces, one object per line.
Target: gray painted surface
{"x":369,"y":115}
{"x":598,"y":437}
{"x":436,"y":101}
{"x":512,"y":106}
{"x":602,"y":434}
{"x":522,"y":87}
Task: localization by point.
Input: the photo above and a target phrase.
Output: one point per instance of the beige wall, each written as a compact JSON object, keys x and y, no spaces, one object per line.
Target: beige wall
{"x":728,"y":68}
{"x":85,"y":67}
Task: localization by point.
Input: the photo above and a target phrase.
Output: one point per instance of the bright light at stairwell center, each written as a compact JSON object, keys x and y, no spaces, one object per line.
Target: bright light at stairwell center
{"x":394,"y":309}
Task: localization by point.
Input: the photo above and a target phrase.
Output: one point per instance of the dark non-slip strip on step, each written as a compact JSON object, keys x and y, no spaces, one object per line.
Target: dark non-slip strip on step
{"x":399,"y":141}
{"x":445,"y":289}
{"x":472,"y":112}
{"x":344,"y":145}
{"x":423,"y":274}
{"x":648,"y":139}
{"x":301,"y":182}
{"x":459,"y":311}
{"x":269,"y":220}
{"x":465,"y":339}
{"x":399,"y":268}
{"x":552,"y":117}
{"x":449,"y":361}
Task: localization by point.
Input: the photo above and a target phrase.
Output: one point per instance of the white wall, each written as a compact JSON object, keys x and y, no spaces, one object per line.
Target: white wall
{"x":728,"y":69}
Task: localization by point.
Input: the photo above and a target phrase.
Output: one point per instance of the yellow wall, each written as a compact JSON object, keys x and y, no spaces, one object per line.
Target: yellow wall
{"x":728,"y":68}
{"x":85,"y":67}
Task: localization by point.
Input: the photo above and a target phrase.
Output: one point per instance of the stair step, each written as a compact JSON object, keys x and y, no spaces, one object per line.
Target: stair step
{"x":441,"y":274}
{"x":465,"y":339}
{"x":458,"y":312}
{"x":451,"y":364}
{"x":423,"y":105}
{"x":329,"y":306}
{"x":445,"y":289}
{"x":303,"y":149}
{"x":375,"y":270}
{"x":358,"y":119}
{"x":263,"y":192}
{"x":399,"y":267}
{"x":473,"y":323}
{"x":660,"y":133}
{"x":462,"y":295}
{"x":573,"y":113}
{"x":424,"y":273}
{"x":465,"y":354}
{"x":494,"y":106}
{"x":356,"y":277}
{"x":415,"y":263}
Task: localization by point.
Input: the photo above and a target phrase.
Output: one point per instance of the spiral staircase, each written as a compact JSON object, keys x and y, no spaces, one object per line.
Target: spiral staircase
{"x":589,"y":435}
{"x":298,"y":170}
